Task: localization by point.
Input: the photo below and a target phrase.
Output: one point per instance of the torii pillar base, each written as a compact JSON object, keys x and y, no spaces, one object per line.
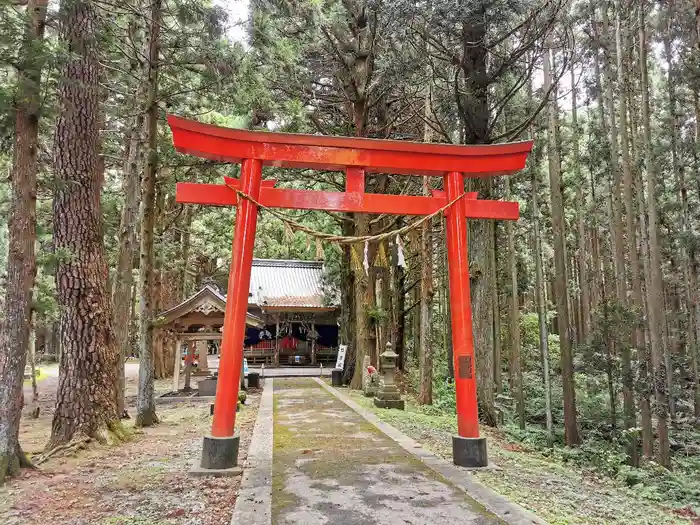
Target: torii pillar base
{"x":220,"y":453}
{"x":469,"y":452}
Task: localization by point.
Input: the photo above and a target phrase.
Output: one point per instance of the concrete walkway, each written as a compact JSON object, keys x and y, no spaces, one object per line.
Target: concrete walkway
{"x":331,"y":466}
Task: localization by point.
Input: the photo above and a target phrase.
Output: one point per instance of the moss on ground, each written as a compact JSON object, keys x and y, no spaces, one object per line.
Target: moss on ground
{"x":336,"y":459}
{"x":560,"y":494}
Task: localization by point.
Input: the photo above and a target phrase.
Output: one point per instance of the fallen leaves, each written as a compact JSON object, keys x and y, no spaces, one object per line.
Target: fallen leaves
{"x":142,"y":481}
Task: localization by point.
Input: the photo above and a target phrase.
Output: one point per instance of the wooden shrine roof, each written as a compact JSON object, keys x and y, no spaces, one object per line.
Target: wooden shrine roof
{"x":206,"y":301}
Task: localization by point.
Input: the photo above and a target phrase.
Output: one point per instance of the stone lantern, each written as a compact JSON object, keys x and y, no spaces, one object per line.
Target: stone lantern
{"x":388,"y":395}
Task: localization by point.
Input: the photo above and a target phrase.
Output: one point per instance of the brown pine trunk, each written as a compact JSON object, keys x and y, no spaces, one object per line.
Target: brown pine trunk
{"x":473,"y":108}
{"x":347,"y":306}
{"x":123,"y":277}
{"x":687,"y":259}
{"x":655,"y":287}
{"x":181,"y":292}
{"x":646,"y":366}
{"x":497,"y":347}
{"x":446,"y":308}
{"x":630,"y":413}
{"x":558,"y":228}
{"x":615,"y":342}
{"x":87,"y":388}
{"x":516,"y":364}
{"x":541,"y":305}
{"x":694,"y":283}
{"x":157,"y":284}
{"x":425,"y":394}
{"x":585,"y":313}
{"x":21,"y":260}
{"x":399,"y":330}
{"x":363,"y":299}
{"x":145,"y":401}
{"x":644,"y":388}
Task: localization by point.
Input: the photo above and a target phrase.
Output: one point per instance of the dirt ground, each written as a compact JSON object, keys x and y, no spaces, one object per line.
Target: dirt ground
{"x":141,"y":482}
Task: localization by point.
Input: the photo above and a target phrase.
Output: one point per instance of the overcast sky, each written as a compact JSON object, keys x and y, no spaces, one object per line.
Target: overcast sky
{"x":238,"y":15}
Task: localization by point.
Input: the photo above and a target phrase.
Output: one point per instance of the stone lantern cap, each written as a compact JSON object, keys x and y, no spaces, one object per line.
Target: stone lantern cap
{"x":389,"y":352}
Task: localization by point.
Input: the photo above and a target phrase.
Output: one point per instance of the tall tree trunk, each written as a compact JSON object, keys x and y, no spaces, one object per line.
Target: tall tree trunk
{"x":185,"y":235}
{"x":123,"y":278}
{"x":399,"y":277}
{"x":156,"y":289}
{"x":695,"y":292}
{"x":363,"y":299}
{"x":446,"y":307}
{"x":655,"y":288}
{"x":21,"y":260}
{"x":580,"y":216}
{"x":347,"y":304}
{"x":425,"y":394}
{"x":644,"y":387}
{"x":682,"y":190}
{"x":516,"y":363}
{"x":541,"y":310}
{"x":614,"y":342}
{"x":472,"y":103}
{"x":87,"y":386}
{"x":497,"y":347}
{"x":145,"y":400}
{"x":558,"y":227}
{"x":630,"y":413}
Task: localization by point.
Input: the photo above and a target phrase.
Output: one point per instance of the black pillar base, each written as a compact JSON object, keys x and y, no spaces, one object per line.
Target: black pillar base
{"x":220,"y":453}
{"x":469,"y":452}
{"x":253,"y":380}
{"x":337,"y":377}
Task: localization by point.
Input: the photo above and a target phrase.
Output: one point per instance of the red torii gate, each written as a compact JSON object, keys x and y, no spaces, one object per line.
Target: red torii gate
{"x":356,"y":157}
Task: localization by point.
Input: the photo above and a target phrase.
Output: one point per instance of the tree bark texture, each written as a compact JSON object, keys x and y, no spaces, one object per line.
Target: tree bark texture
{"x":123,"y":277}
{"x":655,"y":294}
{"x":472,"y":104}
{"x":687,"y":257}
{"x":145,"y":400}
{"x":581,"y":223}
{"x":185,"y":236}
{"x":21,"y":261}
{"x":363,"y":299}
{"x":561,"y":292}
{"x":86,"y":399}
{"x":516,"y":363}
{"x":542,"y":311}
{"x":628,"y":385}
{"x":425,"y":394}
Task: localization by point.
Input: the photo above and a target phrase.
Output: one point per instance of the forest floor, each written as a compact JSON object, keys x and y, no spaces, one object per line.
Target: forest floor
{"x":560,"y":494}
{"x":144,"y":481}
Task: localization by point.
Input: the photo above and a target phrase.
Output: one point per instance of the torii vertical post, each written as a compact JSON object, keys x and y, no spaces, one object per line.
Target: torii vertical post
{"x":356,"y":157}
{"x":468,"y":447}
{"x":231,"y":361}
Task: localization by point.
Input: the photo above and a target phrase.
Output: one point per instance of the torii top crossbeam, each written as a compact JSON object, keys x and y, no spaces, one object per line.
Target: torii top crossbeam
{"x":356,"y":157}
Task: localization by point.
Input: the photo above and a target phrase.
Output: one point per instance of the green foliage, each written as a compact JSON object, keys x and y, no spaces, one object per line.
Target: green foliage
{"x":377,"y":315}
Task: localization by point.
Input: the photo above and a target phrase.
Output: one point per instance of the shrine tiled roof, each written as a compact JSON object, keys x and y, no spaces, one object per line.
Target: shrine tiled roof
{"x":287,"y":284}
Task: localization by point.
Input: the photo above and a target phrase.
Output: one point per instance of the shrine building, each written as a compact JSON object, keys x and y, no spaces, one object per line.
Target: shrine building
{"x":292,"y":317}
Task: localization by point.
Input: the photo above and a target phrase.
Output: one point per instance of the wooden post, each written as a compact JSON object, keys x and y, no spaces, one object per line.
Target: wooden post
{"x":188,"y":365}
{"x":313,"y":343}
{"x":176,"y":369}
{"x":203,"y":355}
{"x":276,"y":361}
